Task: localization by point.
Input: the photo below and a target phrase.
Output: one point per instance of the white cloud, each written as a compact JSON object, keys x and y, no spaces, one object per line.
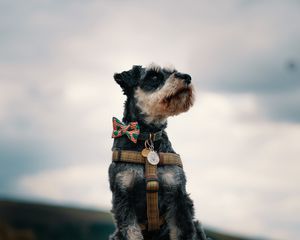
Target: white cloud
{"x":79,"y":184}
{"x":242,"y":174}
{"x":242,"y":170}
{"x":57,"y":62}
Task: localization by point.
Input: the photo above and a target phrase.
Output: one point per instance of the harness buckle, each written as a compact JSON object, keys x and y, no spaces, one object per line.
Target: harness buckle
{"x":152,"y":184}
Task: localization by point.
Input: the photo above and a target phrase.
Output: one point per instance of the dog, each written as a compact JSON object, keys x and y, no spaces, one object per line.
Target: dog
{"x":153,"y":94}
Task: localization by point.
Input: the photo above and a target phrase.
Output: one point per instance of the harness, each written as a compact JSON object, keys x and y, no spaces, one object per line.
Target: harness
{"x":152,"y":185}
{"x":150,"y":158}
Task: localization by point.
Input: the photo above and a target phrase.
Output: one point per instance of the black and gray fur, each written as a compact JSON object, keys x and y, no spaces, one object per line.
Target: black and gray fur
{"x":127,"y":181}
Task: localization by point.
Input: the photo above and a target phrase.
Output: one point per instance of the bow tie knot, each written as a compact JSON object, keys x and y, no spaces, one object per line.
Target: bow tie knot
{"x":131,"y":130}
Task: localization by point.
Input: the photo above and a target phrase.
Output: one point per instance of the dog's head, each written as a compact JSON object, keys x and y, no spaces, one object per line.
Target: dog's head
{"x":156,"y":92}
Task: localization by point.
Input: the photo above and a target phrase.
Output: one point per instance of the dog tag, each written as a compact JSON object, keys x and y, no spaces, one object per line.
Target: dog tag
{"x":153,"y":157}
{"x":145,"y":152}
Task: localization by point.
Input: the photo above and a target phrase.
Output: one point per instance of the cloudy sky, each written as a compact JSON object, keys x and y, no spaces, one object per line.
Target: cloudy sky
{"x":57,"y":97}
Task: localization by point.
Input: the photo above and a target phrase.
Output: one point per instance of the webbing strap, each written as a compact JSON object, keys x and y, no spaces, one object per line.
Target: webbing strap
{"x":136,"y":157}
{"x":144,"y":227}
{"x":152,"y":187}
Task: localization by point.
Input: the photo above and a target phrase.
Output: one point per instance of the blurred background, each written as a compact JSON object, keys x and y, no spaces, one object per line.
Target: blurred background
{"x":57,"y":98}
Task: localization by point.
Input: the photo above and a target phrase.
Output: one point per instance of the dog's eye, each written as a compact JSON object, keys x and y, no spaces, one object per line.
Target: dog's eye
{"x":152,"y":81}
{"x":153,"y":76}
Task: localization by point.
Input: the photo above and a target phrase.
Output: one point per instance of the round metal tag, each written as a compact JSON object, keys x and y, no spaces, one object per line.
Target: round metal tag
{"x":153,"y":158}
{"x":145,"y":152}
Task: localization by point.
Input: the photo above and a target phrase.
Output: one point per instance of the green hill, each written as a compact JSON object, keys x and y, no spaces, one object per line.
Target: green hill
{"x":46,"y":222}
{"x":34,"y":221}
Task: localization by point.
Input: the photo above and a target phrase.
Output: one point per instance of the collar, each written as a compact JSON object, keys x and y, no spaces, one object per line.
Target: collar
{"x":132,"y":131}
{"x":146,"y":135}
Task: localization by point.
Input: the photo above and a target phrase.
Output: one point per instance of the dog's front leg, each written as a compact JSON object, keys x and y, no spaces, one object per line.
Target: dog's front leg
{"x":123,"y":209}
{"x":180,"y":216}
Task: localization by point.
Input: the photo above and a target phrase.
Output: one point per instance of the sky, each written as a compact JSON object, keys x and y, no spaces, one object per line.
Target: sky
{"x":57,"y":98}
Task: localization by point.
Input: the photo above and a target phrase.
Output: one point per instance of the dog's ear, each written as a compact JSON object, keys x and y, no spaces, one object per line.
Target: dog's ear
{"x":128,"y":80}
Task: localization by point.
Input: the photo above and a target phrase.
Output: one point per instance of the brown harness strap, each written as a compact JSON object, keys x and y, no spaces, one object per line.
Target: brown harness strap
{"x":144,"y":227}
{"x":152,"y":187}
{"x":136,"y":157}
{"x":152,"y":184}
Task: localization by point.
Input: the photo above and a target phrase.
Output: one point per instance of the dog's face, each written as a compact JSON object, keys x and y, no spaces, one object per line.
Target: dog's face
{"x":158,"y":92}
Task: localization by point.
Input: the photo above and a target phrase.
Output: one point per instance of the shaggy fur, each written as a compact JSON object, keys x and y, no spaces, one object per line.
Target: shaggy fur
{"x":153,"y":94}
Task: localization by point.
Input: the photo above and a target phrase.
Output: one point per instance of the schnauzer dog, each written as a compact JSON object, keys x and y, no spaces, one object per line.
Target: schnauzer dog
{"x":153,"y":94}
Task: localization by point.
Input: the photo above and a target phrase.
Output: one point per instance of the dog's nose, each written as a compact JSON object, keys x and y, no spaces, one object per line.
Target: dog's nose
{"x":187,"y":78}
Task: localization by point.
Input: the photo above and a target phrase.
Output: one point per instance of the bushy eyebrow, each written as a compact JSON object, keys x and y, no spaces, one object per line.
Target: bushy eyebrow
{"x":153,"y":67}
{"x":169,"y":70}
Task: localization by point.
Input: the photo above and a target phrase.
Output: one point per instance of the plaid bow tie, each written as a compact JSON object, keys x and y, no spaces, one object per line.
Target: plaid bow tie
{"x":132,"y":130}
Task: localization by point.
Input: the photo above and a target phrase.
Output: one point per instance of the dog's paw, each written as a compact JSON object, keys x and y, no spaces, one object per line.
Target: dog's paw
{"x":134,"y":233}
